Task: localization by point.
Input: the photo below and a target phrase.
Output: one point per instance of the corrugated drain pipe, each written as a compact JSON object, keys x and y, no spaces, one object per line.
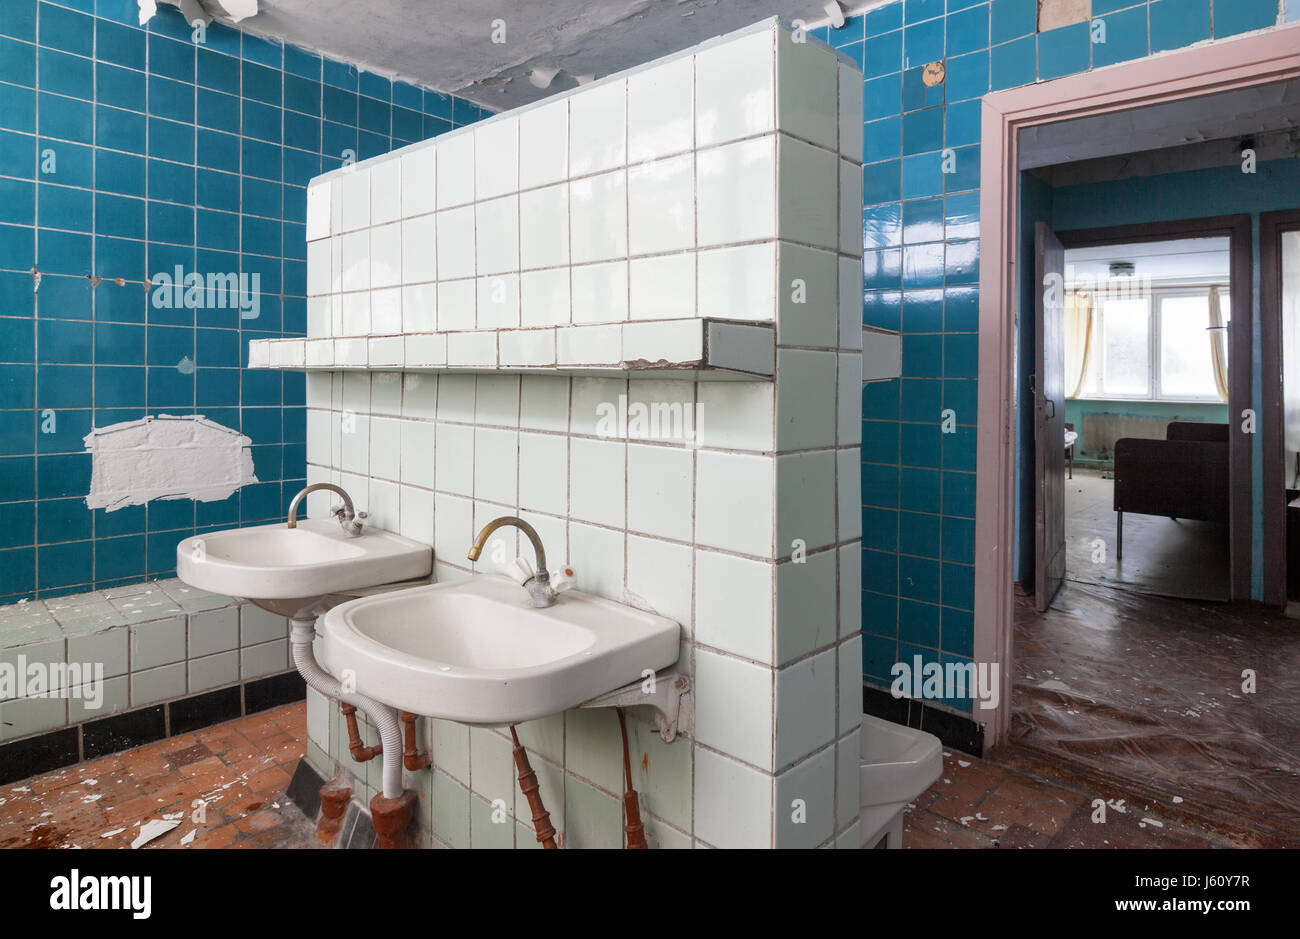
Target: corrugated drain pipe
{"x":301,"y":634}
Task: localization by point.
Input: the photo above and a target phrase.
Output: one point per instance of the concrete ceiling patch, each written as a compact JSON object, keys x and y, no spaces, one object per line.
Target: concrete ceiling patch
{"x":487,"y":50}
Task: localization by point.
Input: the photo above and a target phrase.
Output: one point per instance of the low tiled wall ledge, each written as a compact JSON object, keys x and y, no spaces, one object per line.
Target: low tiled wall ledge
{"x":691,"y":349}
{"x":87,"y":674}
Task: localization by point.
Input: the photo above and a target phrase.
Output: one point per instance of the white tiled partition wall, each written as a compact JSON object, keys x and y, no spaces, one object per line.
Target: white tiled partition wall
{"x":515,"y":257}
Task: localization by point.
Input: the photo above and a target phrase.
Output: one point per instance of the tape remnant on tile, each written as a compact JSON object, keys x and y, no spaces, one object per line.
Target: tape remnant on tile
{"x":166,"y":457}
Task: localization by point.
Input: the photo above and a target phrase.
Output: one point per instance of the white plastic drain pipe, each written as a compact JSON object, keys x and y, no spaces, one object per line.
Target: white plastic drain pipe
{"x":301,"y":634}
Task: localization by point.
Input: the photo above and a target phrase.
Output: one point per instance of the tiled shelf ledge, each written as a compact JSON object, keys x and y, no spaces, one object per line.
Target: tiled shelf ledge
{"x":688,"y":349}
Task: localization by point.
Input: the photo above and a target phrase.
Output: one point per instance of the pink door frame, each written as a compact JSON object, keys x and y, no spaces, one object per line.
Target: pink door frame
{"x":1219,"y":66}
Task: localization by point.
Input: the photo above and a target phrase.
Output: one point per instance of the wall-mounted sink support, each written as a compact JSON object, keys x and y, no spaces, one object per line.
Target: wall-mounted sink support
{"x":671,"y":698}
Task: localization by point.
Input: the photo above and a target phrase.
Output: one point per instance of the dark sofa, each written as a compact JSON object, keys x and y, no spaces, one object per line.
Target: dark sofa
{"x":1183,"y":476}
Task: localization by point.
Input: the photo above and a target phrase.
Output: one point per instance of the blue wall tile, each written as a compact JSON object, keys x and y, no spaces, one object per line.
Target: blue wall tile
{"x":197,"y":180}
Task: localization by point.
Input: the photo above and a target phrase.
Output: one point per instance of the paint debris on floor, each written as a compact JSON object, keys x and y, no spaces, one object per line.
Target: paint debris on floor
{"x":220,"y":787}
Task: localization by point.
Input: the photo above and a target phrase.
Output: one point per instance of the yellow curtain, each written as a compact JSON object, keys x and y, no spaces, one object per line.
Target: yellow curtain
{"x":1218,"y":344}
{"x":1078,"y":340}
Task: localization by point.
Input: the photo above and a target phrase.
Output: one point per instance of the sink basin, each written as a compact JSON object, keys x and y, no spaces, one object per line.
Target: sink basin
{"x":477,"y":651}
{"x":289,"y":570}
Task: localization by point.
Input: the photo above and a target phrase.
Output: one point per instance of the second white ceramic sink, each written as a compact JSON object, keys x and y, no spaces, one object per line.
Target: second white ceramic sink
{"x":476,"y":651}
{"x":288,"y":569}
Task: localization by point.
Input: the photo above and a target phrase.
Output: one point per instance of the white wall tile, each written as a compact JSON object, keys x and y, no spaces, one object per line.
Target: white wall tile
{"x":806,"y":510}
{"x":544,"y":139}
{"x":850,"y":684}
{"x":496,"y":158}
{"x":354,"y":201}
{"x":419,"y":175}
{"x":456,"y":170}
{"x":544,"y":297}
{"x":599,"y":292}
{"x":385,"y":447}
{"x":805,"y":707}
{"x":496,"y":465}
{"x":454,"y":459}
{"x":656,"y":573}
{"x":733,"y":803}
{"x":453,"y":534}
{"x":849,"y":400}
{"x":736,"y":415}
{"x":736,"y":192}
{"x":598,"y":129}
{"x":850,"y":196}
{"x":720,"y":682}
{"x":356,"y":315}
{"x":416,"y":464}
{"x":807,"y":100}
{"x":455,"y":238}
{"x":386,"y":313}
{"x":662,"y":287}
{"x":319,"y":277}
{"x":848,"y":761}
{"x":598,"y":217}
{"x":734,"y":502}
{"x":497,"y":235}
{"x":498,"y":302}
{"x":420,"y":309}
{"x":806,"y":605}
{"x":319,"y":196}
{"x":544,"y":403}
{"x":544,"y":227}
{"x":597,"y":481}
{"x":596,"y":555}
{"x":805,"y":385}
{"x":808,"y":312}
{"x":661,"y":205}
{"x":733,"y":605}
{"x":419,"y":250}
{"x":735,"y":94}
{"x":849,"y":493}
{"x":660,"y":490}
{"x":356,"y":260}
{"x":544,"y":481}
{"x":850,"y":112}
{"x":661,"y":110}
{"x":850,"y":301}
{"x":386,"y":191}
{"x":806,"y":792}
{"x":457,"y":304}
{"x":808,"y":205}
{"x":738,"y":283}
{"x":496,"y":400}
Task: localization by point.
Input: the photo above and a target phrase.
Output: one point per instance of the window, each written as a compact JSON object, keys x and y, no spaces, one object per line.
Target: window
{"x":1158,"y":346}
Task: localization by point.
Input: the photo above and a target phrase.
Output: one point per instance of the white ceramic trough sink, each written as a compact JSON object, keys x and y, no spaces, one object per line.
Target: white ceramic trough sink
{"x":289,"y":569}
{"x":476,"y":651}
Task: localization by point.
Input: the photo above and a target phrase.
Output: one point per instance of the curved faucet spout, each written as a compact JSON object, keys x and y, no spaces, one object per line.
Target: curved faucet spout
{"x":346,"y":514}
{"x":539,"y":585}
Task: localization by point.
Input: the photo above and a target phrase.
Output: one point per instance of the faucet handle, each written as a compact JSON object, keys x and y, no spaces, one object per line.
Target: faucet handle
{"x":519,"y":570}
{"x":562,"y":579}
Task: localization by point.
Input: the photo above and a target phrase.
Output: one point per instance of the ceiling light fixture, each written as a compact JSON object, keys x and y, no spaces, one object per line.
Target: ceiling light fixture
{"x":836,"y":14}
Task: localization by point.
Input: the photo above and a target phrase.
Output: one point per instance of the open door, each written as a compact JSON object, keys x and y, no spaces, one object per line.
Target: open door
{"x":1049,"y":416}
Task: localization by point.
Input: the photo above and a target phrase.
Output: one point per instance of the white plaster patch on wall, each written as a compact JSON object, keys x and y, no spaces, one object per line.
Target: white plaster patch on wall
{"x":166,"y":457}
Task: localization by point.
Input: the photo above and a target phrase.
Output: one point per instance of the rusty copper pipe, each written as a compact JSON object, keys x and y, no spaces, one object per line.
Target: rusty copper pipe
{"x":412,"y":759}
{"x":359,"y":751}
{"x":532,"y":792}
{"x":632,"y":827}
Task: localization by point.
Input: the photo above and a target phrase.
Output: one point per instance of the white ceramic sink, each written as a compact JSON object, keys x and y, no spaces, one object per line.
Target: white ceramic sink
{"x":476,"y":651}
{"x":289,"y":569}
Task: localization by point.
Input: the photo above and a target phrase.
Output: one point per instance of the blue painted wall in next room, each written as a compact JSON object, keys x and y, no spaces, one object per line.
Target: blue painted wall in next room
{"x":125,"y":152}
{"x":921,"y":274}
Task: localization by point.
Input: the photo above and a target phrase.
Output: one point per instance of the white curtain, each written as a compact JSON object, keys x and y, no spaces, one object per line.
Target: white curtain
{"x":1218,"y":344}
{"x":1078,"y":340}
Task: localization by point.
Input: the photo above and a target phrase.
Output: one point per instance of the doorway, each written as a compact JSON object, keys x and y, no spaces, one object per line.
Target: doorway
{"x":1156,"y":492}
{"x":1168,"y":97}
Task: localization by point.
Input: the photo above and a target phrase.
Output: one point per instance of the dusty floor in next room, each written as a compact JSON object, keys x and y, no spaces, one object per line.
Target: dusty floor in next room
{"x":240,"y":769}
{"x":1120,"y":691}
{"x":1169,"y":557}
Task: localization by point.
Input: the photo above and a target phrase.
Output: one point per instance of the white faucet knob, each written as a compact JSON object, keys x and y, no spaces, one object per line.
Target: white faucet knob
{"x":519,"y":570}
{"x":562,"y":579}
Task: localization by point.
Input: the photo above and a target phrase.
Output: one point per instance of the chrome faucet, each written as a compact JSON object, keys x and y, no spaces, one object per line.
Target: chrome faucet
{"x":539,"y":585}
{"x":348,"y":517}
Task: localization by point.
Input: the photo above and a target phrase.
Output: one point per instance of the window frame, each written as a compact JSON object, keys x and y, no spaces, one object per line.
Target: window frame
{"x":1153,"y":298}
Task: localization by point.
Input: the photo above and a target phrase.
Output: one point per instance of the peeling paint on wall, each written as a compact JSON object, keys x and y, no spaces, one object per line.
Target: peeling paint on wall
{"x":166,"y":457}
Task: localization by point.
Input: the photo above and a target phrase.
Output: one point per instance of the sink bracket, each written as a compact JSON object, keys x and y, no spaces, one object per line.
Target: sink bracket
{"x":669,"y":693}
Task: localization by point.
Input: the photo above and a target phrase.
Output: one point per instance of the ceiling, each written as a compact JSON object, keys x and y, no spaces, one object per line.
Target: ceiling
{"x":447,"y":44}
{"x":1183,"y":259}
{"x":1273,"y":107}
